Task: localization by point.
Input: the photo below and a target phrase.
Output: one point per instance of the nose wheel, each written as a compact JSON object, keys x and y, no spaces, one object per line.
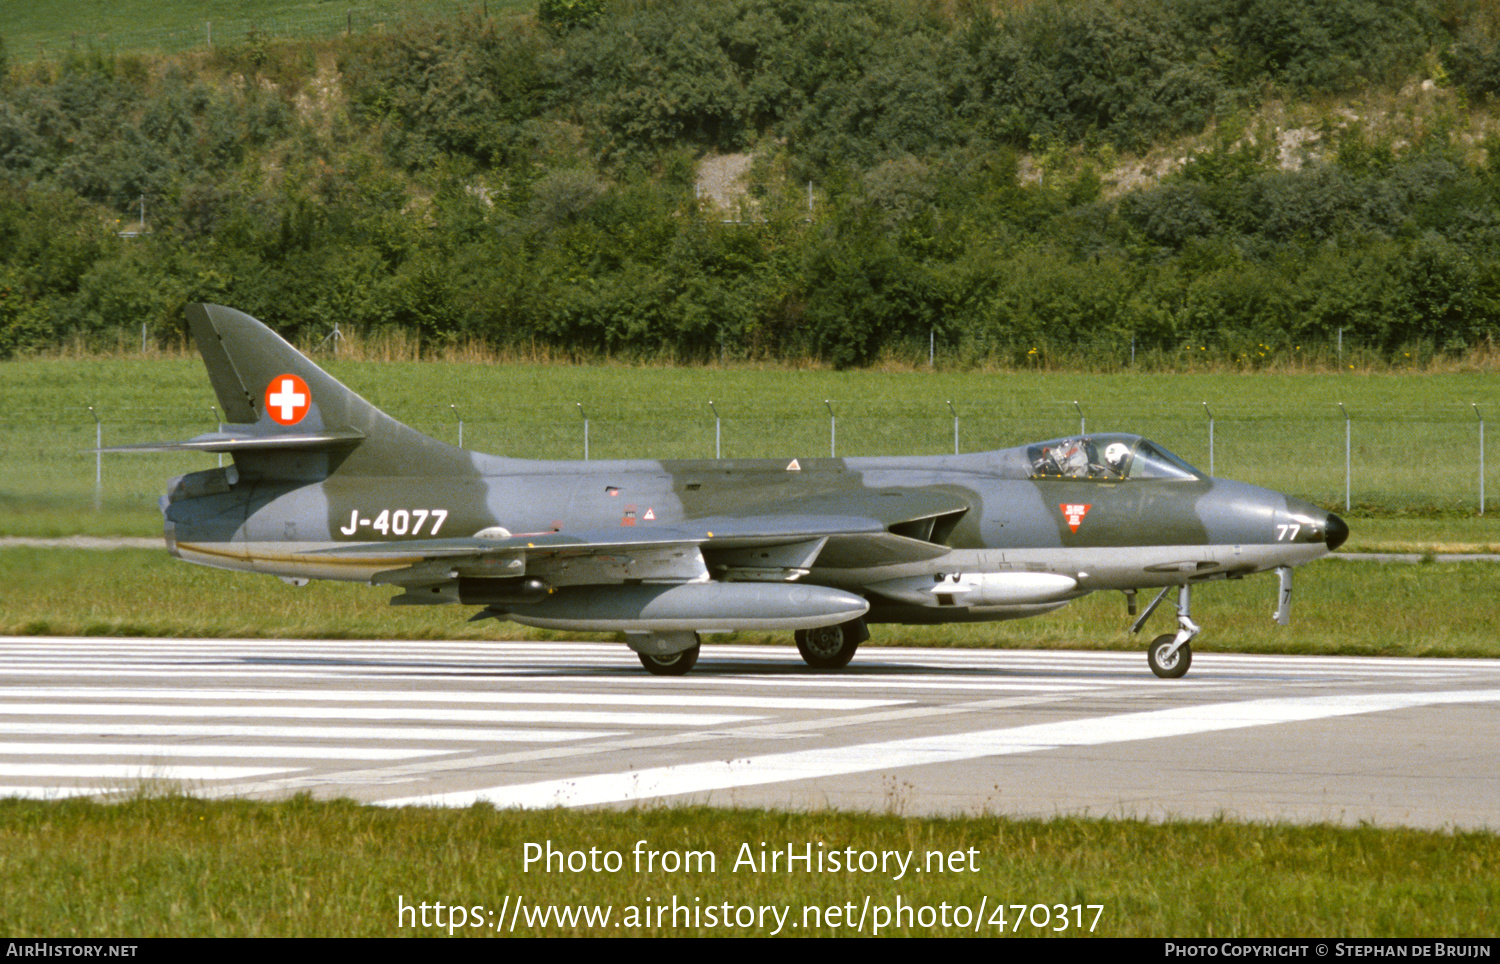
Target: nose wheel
{"x":1169,"y":660}
{"x":1170,"y":654}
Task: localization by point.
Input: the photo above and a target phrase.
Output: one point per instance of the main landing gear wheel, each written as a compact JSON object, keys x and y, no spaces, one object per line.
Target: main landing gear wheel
{"x":676,"y":664}
{"x":1174,"y":666}
{"x":829,"y":647}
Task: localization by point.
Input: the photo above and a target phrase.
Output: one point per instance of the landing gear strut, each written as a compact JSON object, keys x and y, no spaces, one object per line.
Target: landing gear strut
{"x":1170,"y":654}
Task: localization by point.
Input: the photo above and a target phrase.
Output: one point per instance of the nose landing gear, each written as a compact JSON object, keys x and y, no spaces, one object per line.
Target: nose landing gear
{"x":1170,"y":654}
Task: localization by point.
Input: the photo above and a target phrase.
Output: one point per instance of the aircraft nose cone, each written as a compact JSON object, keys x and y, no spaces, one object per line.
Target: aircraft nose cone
{"x":1336,"y":532}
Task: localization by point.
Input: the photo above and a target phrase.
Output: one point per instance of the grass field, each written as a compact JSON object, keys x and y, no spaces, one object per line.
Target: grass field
{"x":1414,"y":459}
{"x":35,"y":29}
{"x":173,"y":866}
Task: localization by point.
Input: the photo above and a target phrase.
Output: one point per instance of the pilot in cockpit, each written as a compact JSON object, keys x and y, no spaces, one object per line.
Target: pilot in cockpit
{"x":1117,"y":457}
{"x":1078,"y":458}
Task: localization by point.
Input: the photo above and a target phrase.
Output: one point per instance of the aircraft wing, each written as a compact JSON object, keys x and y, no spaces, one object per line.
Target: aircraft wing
{"x":766,"y":547}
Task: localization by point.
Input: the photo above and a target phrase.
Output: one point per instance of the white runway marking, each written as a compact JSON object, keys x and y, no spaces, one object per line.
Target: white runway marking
{"x":451,"y":696}
{"x":169,"y":750}
{"x":811,"y":764}
{"x":379,"y":734}
{"x":133,"y":771}
{"x":218,"y":711}
{"x":52,"y":793}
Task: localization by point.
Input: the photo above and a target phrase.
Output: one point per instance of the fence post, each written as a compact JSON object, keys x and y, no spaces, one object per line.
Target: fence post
{"x":335,"y":336}
{"x":98,"y":459}
{"x":1480,"y":415}
{"x":1347,"y":439}
{"x":1210,"y":440}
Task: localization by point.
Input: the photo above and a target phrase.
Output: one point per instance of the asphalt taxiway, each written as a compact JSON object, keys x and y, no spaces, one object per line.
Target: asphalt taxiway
{"x":916,"y":731}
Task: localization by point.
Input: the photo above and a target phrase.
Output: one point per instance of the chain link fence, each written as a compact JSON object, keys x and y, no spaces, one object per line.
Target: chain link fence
{"x":1381,"y":461}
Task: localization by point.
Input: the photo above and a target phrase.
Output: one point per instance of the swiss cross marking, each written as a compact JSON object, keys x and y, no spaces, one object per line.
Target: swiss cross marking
{"x":1074,"y":513}
{"x":287,"y":399}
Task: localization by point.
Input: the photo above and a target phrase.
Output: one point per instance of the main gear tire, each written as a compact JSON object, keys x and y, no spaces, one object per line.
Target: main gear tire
{"x":1174,"y":666}
{"x":827,"y":647}
{"x":677,"y":664}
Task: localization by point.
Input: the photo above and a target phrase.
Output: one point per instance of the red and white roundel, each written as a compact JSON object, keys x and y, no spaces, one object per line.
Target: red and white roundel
{"x":287,"y":399}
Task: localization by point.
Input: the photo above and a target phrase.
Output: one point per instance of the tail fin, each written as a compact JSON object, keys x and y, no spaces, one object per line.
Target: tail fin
{"x":293,"y":420}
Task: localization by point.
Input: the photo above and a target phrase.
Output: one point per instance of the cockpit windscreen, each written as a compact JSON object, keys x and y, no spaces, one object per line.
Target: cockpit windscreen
{"x":1107,"y":458}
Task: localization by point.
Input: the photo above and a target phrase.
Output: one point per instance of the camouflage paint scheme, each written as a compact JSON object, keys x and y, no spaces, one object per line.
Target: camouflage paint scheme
{"x":325,"y":486}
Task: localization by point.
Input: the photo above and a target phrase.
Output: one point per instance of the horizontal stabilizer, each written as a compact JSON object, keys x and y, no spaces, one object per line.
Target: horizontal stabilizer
{"x":230,"y":442}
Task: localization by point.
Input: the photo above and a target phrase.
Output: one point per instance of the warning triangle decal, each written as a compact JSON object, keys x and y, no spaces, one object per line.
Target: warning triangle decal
{"x":1074,"y":513}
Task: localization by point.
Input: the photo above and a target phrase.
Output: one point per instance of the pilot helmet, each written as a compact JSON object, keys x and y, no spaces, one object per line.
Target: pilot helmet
{"x":1115,"y":454}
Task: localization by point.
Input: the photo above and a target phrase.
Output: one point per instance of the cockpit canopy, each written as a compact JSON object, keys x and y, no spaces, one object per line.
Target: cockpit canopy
{"x":1107,"y":458}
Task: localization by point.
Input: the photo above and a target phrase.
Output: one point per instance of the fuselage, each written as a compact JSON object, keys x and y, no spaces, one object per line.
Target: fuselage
{"x":1097,"y":530}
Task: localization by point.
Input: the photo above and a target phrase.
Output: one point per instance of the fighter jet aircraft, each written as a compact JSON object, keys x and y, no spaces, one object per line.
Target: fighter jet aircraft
{"x":325,"y":486}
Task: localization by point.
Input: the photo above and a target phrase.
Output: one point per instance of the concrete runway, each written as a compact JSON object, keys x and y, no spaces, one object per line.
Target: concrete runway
{"x":1284,"y":738}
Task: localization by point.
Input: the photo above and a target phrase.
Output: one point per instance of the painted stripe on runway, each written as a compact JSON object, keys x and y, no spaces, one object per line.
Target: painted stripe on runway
{"x":449,"y":696}
{"x":972,"y":680}
{"x":949,"y":748}
{"x":134,"y":771}
{"x":584,"y":717}
{"x":53,"y":793}
{"x":382,"y":734}
{"x":221,"y":751}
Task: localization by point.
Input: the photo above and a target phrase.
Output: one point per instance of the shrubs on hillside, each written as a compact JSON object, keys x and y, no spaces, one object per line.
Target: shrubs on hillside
{"x":529,"y":184}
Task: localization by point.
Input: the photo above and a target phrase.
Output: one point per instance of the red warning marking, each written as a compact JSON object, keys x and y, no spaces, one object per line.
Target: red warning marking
{"x":1074,"y":513}
{"x":287,"y":399}
{"x":792,"y":466}
{"x":650,"y":515}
